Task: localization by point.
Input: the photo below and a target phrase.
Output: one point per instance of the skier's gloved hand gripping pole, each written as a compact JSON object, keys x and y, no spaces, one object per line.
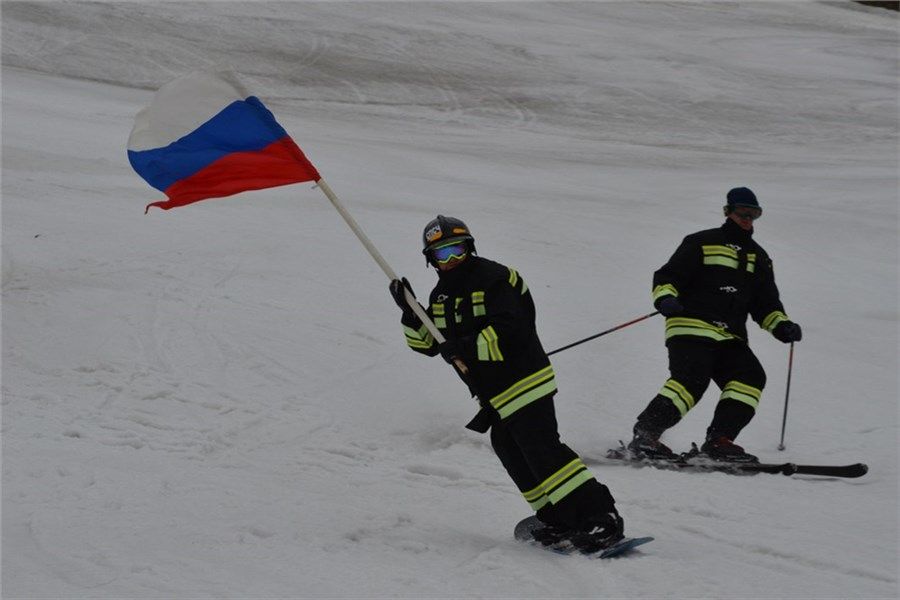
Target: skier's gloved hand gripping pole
{"x":410,"y":298}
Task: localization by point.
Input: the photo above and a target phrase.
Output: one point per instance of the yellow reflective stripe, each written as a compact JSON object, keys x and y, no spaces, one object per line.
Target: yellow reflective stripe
{"x":513,"y":277}
{"x":488,"y":345}
{"x":570,"y":486}
{"x":539,"y":503}
{"x":536,"y":497}
{"x":561,"y":475}
{"x":493,"y":341}
{"x":527,"y":398}
{"x":478,"y":304}
{"x":419,"y":344}
{"x":678,"y":394}
{"x":720,"y":251}
{"x":773,"y":319}
{"x":420,"y":334}
{"x":720,"y":255}
{"x":533,"y":494}
{"x":751,"y":263}
{"x":440,"y":322}
{"x":559,"y":485}
{"x":481,"y":345}
{"x":521,"y":386}
{"x":524,"y":287}
{"x":722,"y":261}
{"x":418,"y":338}
{"x":437,"y":309}
{"x":666,"y":289}
{"x":563,"y":482}
{"x":686,"y":326}
{"x":735,"y":390}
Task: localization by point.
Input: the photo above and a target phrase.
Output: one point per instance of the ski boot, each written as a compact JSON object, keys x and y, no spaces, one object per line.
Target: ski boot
{"x":646,"y":445}
{"x":723,"y":449}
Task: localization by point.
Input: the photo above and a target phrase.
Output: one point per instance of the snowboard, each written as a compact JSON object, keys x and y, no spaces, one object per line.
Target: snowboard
{"x":526,"y":526}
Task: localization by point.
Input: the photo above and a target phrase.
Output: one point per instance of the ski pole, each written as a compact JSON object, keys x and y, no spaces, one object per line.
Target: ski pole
{"x":787,"y":393}
{"x":602,"y":333}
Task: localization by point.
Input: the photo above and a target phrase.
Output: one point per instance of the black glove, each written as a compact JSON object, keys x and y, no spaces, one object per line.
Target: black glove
{"x":395,"y":287}
{"x":669,"y":306}
{"x":449,"y":351}
{"x":787,"y":331}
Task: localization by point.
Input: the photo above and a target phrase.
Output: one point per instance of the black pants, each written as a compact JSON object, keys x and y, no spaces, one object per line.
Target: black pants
{"x":692,"y":364}
{"x":550,"y":475}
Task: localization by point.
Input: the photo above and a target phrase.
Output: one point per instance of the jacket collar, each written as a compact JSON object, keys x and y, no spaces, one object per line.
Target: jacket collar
{"x":454,"y":276}
{"x":733,"y":231}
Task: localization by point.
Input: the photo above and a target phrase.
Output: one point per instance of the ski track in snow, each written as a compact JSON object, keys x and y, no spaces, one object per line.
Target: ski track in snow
{"x":216,"y":401}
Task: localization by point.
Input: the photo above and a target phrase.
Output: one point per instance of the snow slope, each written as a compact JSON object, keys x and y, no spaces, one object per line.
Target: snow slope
{"x":217,"y":401}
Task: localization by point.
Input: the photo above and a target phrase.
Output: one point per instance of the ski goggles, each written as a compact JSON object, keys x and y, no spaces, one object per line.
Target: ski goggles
{"x":745,"y":212}
{"x":444,"y":254}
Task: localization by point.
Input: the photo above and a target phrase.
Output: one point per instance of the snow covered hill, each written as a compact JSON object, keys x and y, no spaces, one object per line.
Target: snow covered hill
{"x":217,"y":401}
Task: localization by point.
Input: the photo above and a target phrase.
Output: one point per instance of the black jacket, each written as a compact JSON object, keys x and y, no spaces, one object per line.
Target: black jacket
{"x":487,"y":309}
{"x":719,"y":276}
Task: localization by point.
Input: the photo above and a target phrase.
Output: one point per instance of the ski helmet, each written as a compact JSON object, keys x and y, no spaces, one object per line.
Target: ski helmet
{"x":444,"y":229}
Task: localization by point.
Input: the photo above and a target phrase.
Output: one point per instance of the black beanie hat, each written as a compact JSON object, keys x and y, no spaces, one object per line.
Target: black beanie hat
{"x":742,"y":196}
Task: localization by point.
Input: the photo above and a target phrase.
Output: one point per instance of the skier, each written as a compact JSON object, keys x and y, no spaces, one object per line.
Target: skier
{"x":486,"y":313}
{"x":713,"y":280}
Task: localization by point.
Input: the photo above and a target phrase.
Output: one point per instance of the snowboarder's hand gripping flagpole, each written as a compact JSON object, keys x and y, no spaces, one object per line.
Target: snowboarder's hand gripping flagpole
{"x":204,"y":136}
{"x":408,"y":295}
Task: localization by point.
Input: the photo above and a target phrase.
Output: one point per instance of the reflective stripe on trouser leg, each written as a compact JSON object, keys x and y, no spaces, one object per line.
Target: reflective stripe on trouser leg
{"x":559,"y":485}
{"x":735,"y":390}
{"x":678,"y":394}
{"x":525,"y":391}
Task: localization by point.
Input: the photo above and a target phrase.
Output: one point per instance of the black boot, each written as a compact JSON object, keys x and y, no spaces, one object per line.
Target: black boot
{"x":552,"y":535}
{"x":600,"y":532}
{"x":646,"y":444}
{"x":659,"y":415}
{"x":720,"y":447}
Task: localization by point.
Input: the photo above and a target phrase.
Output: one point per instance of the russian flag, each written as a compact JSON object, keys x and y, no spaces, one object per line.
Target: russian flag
{"x":204,"y":137}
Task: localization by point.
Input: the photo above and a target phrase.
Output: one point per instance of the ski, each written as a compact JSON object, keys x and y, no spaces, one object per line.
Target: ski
{"x":693,"y":462}
{"x":525,"y":527}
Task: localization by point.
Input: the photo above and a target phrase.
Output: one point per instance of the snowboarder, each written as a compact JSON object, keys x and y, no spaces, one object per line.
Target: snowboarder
{"x":486,"y":312}
{"x":706,"y":290}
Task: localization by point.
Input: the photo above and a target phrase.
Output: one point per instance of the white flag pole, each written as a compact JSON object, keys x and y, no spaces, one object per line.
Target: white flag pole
{"x":410,"y":299}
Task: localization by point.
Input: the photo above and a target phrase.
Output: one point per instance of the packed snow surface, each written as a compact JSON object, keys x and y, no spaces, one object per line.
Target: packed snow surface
{"x":217,"y":401}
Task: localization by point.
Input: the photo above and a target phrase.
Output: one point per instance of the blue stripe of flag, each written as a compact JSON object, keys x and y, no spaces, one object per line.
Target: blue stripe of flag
{"x":242,"y":126}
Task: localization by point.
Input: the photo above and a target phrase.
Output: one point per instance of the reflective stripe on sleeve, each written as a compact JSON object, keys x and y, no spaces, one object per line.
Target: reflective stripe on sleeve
{"x":773,"y":319}
{"x":666,"y":289}
{"x":418,"y":338}
{"x":488,"y":345}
